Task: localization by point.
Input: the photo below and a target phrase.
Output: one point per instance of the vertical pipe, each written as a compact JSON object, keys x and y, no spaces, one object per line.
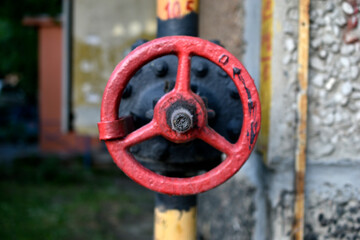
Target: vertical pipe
{"x":177,"y":17}
{"x":302,"y":108}
{"x":266,"y":57}
{"x":175,"y":217}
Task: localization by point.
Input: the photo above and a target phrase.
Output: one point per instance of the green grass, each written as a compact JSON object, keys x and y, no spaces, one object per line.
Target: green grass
{"x":42,"y":199}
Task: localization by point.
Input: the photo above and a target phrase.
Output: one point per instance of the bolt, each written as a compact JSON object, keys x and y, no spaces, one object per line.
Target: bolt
{"x":158,"y":148}
{"x":160,"y":68}
{"x":138,"y":43}
{"x":217,"y":42}
{"x":149,"y":114}
{"x":206,"y":101}
{"x":233,"y":130}
{"x":135,"y":149}
{"x":181,"y":120}
{"x":221,"y":72}
{"x":211,"y":114}
{"x":127,"y":92}
{"x":194,"y":88}
{"x":200,"y":68}
{"x":155,"y":101}
{"x":233,"y":92}
{"x":168,"y":86}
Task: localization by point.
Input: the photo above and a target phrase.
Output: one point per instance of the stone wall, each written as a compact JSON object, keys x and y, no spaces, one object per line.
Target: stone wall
{"x":332,"y":195}
{"x":234,"y":208}
{"x":334,"y":129}
{"x":258,"y":202}
{"x":228,"y":211}
{"x":332,"y":202}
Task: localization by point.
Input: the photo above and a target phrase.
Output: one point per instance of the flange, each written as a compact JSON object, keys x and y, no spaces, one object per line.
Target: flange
{"x":194,"y":119}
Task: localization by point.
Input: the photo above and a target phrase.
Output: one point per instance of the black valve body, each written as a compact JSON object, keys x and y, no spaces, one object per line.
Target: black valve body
{"x":212,"y":84}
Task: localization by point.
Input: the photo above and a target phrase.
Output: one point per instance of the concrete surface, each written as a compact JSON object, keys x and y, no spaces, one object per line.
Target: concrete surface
{"x":332,"y":189}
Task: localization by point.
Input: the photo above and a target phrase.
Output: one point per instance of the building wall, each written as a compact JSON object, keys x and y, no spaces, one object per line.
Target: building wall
{"x":238,"y":207}
{"x":333,"y":200}
{"x":223,"y":20}
{"x":52,"y":139}
{"x":102,"y":37}
{"x":334,"y":86}
{"x":332,"y":196}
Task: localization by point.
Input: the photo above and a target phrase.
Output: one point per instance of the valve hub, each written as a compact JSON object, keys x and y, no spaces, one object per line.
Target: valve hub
{"x":180,"y":113}
{"x":181,"y":120}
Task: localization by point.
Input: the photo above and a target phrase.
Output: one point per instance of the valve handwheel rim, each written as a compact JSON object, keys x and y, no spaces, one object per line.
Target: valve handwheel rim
{"x":184,"y":47}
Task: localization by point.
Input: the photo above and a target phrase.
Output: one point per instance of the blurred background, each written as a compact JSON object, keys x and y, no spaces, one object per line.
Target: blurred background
{"x":55,"y":183}
{"x":57,"y":180}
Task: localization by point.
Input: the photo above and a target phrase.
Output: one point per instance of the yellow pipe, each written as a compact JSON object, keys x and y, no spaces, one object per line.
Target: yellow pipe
{"x":169,"y":9}
{"x":175,"y":224}
{"x":265,"y":74}
{"x":175,"y":216}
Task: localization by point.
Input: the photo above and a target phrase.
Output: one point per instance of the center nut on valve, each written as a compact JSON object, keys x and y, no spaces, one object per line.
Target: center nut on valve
{"x":181,"y":116}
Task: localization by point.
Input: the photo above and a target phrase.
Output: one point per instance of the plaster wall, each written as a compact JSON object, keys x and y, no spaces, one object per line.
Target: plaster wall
{"x":332,"y":191}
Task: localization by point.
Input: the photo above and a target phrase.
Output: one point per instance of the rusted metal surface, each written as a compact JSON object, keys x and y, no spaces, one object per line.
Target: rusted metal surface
{"x":184,"y":48}
{"x":266,"y":74}
{"x":302,"y":107}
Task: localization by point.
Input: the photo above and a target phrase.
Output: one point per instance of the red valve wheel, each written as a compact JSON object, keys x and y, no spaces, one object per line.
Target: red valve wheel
{"x":192,"y":120}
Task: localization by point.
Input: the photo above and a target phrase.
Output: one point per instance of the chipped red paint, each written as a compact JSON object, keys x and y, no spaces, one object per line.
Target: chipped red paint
{"x":184,"y":48}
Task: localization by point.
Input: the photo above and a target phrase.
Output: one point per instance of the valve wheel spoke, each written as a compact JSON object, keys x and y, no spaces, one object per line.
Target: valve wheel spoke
{"x":183,"y":73}
{"x":142,"y":134}
{"x":184,"y":47}
{"x":214,"y":139}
